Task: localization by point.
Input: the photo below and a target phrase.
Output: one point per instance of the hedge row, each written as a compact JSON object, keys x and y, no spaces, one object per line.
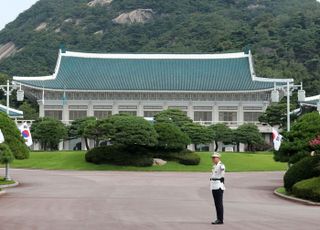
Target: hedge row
{"x":308,"y":189}
{"x":137,"y":156}
{"x":119,"y":155}
{"x":304,"y":169}
{"x":184,"y":157}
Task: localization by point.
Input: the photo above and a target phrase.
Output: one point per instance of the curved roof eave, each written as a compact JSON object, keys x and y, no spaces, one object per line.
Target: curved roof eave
{"x":144,"y":91}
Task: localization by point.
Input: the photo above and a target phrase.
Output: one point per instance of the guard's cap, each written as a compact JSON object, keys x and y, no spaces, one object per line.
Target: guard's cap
{"x":216,"y":154}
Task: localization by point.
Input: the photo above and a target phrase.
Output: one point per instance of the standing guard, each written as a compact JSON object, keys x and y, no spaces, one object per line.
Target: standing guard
{"x":217,"y":186}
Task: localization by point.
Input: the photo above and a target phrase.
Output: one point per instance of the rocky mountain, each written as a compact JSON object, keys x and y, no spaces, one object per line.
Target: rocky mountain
{"x":283,"y":35}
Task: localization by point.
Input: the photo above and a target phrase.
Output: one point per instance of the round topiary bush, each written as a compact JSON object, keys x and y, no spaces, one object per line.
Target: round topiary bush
{"x":13,"y":137}
{"x":119,"y":155}
{"x":304,"y":169}
{"x":189,"y":159}
{"x":308,"y":189}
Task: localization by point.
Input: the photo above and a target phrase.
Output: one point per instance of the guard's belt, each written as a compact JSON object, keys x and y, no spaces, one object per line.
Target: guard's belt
{"x":220,"y":179}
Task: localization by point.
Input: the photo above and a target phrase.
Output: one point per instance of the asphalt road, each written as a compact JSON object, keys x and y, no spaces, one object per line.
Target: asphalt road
{"x":147,"y":200}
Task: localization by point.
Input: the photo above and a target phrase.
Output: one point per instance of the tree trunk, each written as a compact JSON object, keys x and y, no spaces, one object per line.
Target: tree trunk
{"x":7,"y":176}
{"x":216,"y":147}
{"x":87,"y":144}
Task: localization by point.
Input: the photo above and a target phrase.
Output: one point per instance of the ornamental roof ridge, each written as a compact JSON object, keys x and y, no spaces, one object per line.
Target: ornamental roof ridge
{"x":156,"y":55}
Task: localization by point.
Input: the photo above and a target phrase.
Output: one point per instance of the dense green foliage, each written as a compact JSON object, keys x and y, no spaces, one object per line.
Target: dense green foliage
{"x":175,"y":116}
{"x":78,"y":127}
{"x":13,"y":137}
{"x":304,"y":169}
{"x":248,"y":134}
{"x":296,"y":142}
{"x":48,"y":132}
{"x":308,"y":189}
{"x":171,"y":137}
{"x":120,"y":155}
{"x":131,"y":130}
{"x":221,"y":133}
{"x":6,"y":155}
{"x":282,"y":34}
{"x":198,"y":134}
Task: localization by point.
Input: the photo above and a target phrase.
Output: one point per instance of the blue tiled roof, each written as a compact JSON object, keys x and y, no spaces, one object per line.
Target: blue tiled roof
{"x":152,"y":74}
{"x":12,"y":112}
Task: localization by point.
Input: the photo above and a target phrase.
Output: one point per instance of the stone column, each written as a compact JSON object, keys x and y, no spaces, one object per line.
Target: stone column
{"x":215,"y":114}
{"x":65,"y":114}
{"x":240,"y":114}
{"x":41,"y":108}
{"x":90,"y":109}
{"x":140,"y":110}
{"x":115,"y":109}
{"x":190,"y":111}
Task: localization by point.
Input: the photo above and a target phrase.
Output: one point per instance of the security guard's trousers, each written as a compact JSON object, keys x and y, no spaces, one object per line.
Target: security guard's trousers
{"x":218,"y":201}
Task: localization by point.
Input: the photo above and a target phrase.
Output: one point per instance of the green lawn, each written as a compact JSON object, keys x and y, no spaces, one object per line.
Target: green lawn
{"x":4,"y":182}
{"x":235,"y":162}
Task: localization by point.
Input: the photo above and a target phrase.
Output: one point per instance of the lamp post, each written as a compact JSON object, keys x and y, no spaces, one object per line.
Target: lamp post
{"x":7,"y":89}
{"x":301,"y":97}
{"x":289,"y":88}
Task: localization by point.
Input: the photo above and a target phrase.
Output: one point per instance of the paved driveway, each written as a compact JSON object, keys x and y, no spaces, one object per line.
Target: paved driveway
{"x":143,"y":200}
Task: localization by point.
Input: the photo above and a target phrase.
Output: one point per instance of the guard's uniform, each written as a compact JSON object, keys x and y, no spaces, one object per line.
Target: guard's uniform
{"x":217,"y":187}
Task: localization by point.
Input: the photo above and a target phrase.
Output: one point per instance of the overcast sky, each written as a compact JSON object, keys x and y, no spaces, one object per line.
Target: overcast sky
{"x":10,"y":9}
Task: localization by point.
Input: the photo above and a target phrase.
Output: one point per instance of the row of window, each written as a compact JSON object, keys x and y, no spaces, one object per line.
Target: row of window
{"x":198,"y":115}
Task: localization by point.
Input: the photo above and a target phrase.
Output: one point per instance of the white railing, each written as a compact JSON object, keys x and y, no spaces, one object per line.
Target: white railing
{"x":263,"y":127}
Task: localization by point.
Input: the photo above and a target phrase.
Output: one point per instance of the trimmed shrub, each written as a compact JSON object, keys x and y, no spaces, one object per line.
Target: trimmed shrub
{"x":306,"y":128}
{"x":189,"y":159}
{"x":185,"y":157}
{"x":120,"y":155}
{"x":6,"y":155}
{"x":171,"y":137}
{"x":308,"y":189}
{"x":304,"y":169}
{"x":13,"y":137}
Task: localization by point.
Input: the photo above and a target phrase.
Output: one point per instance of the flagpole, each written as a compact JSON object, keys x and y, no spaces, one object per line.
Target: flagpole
{"x":288,"y":107}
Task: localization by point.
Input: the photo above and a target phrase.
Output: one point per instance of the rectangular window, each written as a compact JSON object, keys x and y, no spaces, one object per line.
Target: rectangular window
{"x":133,"y":113}
{"x":152,"y":107}
{"x":202,"y":107}
{"x":77,"y":114}
{"x":227,"y":116}
{"x":228,"y":107}
{"x":55,"y":107}
{"x":251,"y":116}
{"x":202,"y":116}
{"x":102,"y":114}
{"x":80,"y":107}
{"x":252,"y":108}
{"x":127,"y":107}
{"x":150,"y":113}
{"x":178,"y":107}
{"x":102,"y":107}
{"x":55,"y":114}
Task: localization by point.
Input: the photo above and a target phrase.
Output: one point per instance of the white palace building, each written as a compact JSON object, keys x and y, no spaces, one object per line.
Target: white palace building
{"x":209,"y":88}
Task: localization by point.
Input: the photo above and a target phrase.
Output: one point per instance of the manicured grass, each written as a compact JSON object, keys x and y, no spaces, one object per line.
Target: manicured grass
{"x":282,"y":191}
{"x":4,"y":182}
{"x":74,"y":160}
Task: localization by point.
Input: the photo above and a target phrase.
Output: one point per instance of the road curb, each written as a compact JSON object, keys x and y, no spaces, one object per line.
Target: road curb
{"x":10,"y":185}
{"x":295,"y":199}
{"x":2,"y":192}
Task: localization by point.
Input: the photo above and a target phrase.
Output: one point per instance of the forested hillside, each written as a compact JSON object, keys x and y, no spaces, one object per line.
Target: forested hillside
{"x":284,"y":35}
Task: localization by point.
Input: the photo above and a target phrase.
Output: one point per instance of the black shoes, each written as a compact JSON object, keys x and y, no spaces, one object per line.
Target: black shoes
{"x":217,"y":222}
